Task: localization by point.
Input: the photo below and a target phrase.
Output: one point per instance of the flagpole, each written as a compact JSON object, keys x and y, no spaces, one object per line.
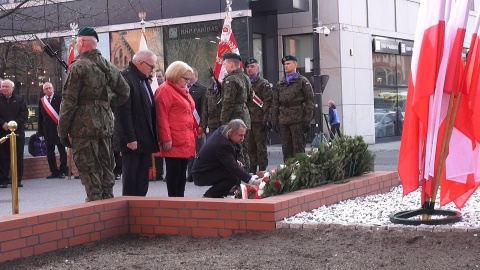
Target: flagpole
{"x":74,"y":27}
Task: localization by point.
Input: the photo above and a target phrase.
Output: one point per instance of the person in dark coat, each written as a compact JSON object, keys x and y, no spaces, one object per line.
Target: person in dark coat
{"x":198,"y":93}
{"x":12,"y":108}
{"x":48,"y":108}
{"x":135,"y":134}
{"x":217,"y":163}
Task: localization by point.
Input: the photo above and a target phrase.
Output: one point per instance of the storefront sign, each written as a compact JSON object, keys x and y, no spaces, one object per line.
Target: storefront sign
{"x":385,"y":45}
{"x":406,"y":47}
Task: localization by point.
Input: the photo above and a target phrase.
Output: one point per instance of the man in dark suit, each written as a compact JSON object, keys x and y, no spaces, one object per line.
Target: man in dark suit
{"x":48,"y":108}
{"x":12,"y":108}
{"x":135,"y":133}
{"x":198,"y":93}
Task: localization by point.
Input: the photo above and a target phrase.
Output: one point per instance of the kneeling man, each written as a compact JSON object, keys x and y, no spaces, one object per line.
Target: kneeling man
{"x":217,"y":163}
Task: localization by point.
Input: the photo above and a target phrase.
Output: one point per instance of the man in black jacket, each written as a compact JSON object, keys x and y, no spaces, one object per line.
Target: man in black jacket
{"x":48,"y":108}
{"x":12,"y":108}
{"x":217,"y":163}
{"x":135,"y":135}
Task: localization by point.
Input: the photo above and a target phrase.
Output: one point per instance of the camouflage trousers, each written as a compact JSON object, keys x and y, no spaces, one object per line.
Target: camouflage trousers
{"x":257,"y":146}
{"x":293,"y":140}
{"x":244,"y":152}
{"x":95,"y":163}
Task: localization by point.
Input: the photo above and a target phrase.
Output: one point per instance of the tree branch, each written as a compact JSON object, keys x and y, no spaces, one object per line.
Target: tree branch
{"x":10,"y":11}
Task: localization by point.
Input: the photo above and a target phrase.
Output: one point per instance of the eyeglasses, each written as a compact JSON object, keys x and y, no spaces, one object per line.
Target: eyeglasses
{"x":151,"y":66}
{"x":187,"y":79}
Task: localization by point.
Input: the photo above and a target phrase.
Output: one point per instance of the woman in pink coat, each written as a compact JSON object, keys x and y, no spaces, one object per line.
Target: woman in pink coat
{"x":176,"y":134}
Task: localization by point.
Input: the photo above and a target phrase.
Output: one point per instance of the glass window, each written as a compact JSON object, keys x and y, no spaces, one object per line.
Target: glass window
{"x":257,"y":50}
{"x":301,"y":46}
{"x":390,"y":80}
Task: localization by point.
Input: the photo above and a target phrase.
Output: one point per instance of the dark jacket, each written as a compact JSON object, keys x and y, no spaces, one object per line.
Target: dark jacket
{"x":135,"y":119}
{"x":13,"y":109}
{"x":217,"y":153}
{"x":46,"y":126}
{"x":198,"y":93}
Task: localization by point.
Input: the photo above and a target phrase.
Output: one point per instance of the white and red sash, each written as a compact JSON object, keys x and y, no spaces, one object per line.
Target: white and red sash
{"x":50,"y":110}
{"x":196,"y":123}
{"x":257,"y":100}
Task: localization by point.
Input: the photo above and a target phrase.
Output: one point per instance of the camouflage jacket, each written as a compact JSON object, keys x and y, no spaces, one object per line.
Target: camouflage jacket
{"x":92,"y":87}
{"x":237,"y":90}
{"x":211,"y":109}
{"x":263,"y":90}
{"x":293,"y":102}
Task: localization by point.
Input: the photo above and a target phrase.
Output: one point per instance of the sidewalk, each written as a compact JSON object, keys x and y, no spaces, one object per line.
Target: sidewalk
{"x":42,"y":193}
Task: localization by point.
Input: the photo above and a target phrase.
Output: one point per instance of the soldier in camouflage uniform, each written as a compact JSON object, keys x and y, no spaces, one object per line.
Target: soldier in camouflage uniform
{"x":292,"y":109}
{"x":92,"y":87}
{"x":260,"y":115}
{"x":237,"y":90}
{"x":211,"y":110}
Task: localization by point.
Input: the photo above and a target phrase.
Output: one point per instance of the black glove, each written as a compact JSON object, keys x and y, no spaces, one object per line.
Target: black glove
{"x":266,"y":126}
{"x":66,"y":142}
{"x":306,"y":127}
{"x":275,"y":126}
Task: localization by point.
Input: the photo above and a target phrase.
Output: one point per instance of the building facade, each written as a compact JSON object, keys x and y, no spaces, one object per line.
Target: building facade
{"x":367,"y":53}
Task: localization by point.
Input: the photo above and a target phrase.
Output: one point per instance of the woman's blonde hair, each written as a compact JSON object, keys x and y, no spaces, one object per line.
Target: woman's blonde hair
{"x":176,"y":70}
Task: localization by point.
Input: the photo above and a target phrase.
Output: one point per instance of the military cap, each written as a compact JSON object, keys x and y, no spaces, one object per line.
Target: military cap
{"x":87,"y":31}
{"x":232,"y":55}
{"x":289,"y":58}
{"x":251,"y":61}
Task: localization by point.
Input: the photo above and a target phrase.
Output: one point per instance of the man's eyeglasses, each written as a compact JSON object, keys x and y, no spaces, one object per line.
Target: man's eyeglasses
{"x":187,"y":79}
{"x":152,"y":67}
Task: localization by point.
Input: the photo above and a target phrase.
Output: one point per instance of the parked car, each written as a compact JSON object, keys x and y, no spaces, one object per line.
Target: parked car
{"x":384,"y":124}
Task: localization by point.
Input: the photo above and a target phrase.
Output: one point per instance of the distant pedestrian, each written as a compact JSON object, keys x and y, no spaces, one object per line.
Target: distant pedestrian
{"x":292,"y":109}
{"x":334,"y":120}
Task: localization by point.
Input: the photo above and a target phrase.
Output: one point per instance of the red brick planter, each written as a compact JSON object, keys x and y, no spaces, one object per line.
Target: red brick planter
{"x":38,"y":232}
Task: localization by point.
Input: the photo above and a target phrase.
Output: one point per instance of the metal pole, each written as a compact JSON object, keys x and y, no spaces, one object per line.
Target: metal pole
{"x":12,"y":125}
{"x":317,"y":85}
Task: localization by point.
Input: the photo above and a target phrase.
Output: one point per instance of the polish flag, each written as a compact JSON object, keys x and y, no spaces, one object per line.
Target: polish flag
{"x":227,"y":44}
{"x":71,"y":52}
{"x":143,"y":46}
{"x":426,"y":58}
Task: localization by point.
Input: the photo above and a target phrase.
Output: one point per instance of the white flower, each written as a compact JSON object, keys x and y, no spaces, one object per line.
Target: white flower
{"x":260,"y":191}
{"x":260,"y":187}
{"x":266,"y":174}
{"x":281,"y":166}
{"x":293,"y":177}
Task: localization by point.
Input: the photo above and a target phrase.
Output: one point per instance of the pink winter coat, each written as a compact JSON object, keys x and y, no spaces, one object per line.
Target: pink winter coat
{"x":175,"y":120}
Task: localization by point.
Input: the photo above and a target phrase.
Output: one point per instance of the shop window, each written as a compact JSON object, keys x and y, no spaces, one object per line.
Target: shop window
{"x":301,"y":46}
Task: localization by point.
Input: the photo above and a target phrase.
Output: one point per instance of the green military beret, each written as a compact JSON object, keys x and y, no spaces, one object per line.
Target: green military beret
{"x":87,"y":31}
{"x":251,"y":61}
{"x":232,"y":55}
{"x":289,"y":58}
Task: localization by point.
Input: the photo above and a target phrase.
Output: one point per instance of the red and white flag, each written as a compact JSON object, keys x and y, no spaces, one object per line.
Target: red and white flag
{"x":143,"y":46}
{"x":71,"y":52}
{"x":227,"y":44}
{"x":426,"y":58}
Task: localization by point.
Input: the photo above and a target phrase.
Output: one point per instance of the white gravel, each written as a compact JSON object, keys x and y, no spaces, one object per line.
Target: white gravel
{"x":376,"y":210}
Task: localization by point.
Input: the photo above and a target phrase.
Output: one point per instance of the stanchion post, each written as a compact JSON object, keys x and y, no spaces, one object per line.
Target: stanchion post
{"x":12,"y":126}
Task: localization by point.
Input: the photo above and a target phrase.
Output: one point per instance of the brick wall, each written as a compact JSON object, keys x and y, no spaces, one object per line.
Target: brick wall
{"x":38,"y":232}
{"x":37,"y":167}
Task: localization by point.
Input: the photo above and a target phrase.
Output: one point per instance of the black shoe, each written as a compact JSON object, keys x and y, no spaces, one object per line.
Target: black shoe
{"x":117,"y":176}
{"x":20,"y":184}
{"x":52,"y":176}
{"x":76,"y":177}
{"x":189,"y":179}
{"x":61,"y":176}
{"x":4,"y":186}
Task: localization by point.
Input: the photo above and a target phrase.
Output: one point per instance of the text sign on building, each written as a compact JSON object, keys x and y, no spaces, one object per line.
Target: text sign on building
{"x":406,"y":47}
{"x":385,"y":45}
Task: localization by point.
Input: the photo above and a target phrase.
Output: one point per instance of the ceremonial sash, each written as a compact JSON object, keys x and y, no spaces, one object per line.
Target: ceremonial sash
{"x":196,"y":123}
{"x":257,"y":100}
{"x":50,"y":110}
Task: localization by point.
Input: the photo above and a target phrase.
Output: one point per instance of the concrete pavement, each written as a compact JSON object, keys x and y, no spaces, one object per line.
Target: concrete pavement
{"x":42,"y":193}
